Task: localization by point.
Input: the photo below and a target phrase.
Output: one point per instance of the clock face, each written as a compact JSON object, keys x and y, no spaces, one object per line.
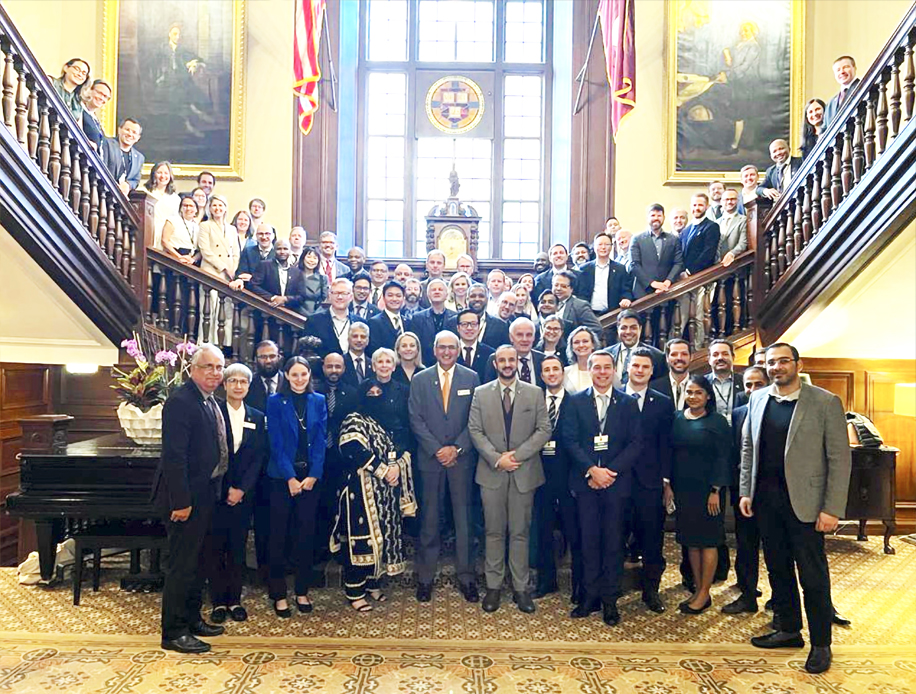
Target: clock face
{"x":453,"y":243}
{"x":455,"y":104}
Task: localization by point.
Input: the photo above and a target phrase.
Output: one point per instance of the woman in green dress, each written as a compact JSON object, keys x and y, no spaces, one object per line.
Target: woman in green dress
{"x":701,"y":442}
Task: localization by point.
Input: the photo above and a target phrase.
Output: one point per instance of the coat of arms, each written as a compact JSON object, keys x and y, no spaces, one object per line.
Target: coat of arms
{"x":455,"y":104}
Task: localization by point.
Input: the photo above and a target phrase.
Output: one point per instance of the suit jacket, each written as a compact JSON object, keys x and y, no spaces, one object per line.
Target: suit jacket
{"x":371,"y":310}
{"x":535,"y":364}
{"x":495,"y":330}
{"x":739,"y":417}
{"x":623,"y":427}
{"x":219,"y":255}
{"x":619,"y":284}
{"x":529,"y":431}
{"x":257,"y":393}
{"x":350,"y":377}
{"x":247,"y":463}
{"x":771,"y":178}
{"x":647,"y":266}
{"x":283,"y":428}
{"x":483,"y":362}
{"x":663,"y":386}
{"x":422,"y":324}
{"x":110,"y":151}
{"x":818,"y":458}
{"x":554,"y":458}
{"x":321,"y":325}
{"x":382,"y":333}
{"x":190,"y":451}
{"x":251,"y":258}
{"x":579,"y":312}
{"x":659,"y":363}
{"x":346,"y":401}
{"x":740,"y":397}
{"x":834,"y":105}
{"x":341,"y":269}
{"x":699,"y":245}
{"x":654,"y":462}
{"x":544,"y":282}
{"x":431,"y":426}
{"x":93,"y":129}
{"x":266,"y":283}
{"x":732,"y":236}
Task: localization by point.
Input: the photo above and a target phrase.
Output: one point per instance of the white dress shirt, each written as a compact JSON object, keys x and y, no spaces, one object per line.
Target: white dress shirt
{"x":341,"y":329}
{"x":236,"y":424}
{"x":599,"y":293}
{"x":640,"y":395}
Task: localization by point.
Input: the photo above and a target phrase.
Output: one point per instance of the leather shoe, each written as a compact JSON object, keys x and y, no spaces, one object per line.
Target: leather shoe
{"x":687,"y":609}
{"x":819,"y":660}
{"x":768,"y":605}
{"x":779,"y":639}
{"x":610,"y":615}
{"x":653,"y":602}
{"x":585,"y":608}
{"x":424,"y":592}
{"x":469,"y":591}
{"x":204,"y":629}
{"x":524,"y":602}
{"x":543,"y":591}
{"x":840,"y":620}
{"x":238,"y":613}
{"x":185,"y":644}
{"x":742,"y":604}
{"x":219,"y":614}
{"x":577,"y":595}
{"x":491,"y":600}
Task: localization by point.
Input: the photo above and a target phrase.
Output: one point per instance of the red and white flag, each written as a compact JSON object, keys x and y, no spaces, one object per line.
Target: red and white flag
{"x":307,"y":71}
{"x":618,"y":32}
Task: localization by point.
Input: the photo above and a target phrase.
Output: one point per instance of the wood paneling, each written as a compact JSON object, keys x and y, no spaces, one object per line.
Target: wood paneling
{"x":867,"y":386}
{"x":89,"y":399}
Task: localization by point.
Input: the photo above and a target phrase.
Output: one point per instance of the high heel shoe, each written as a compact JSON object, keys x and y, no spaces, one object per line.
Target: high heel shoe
{"x":687,"y":609}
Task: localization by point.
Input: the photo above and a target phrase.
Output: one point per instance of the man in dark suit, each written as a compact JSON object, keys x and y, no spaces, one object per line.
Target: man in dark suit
{"x":328,"y":264}
{"x":559,"y":262}
{"x":656,"y":260}
{"x":357,"y":364}
{"x":615,"y":288}
{"x":844,"y":71}
{"x":601,"y":435}
{"x":331,"y":325}
{"x":699,"y":247}
{"x":493,"y":331}
{"x":521,"y":336}
{"x":255,"y":252}
{"x":440,"y":404}
{"x":629,"y":330}
{"x":186,"y":485}
{"x":553,"y":500}
{"x":779,"y":175}
{"x":435,"y":267}
{"x":121,"y":158}
{"x":569,"y":308}
{"x":474,"y":355}
{"x":431,"y":321}
{"x":275,"y":281}
{"x":650,"y":475}
{"x":94,"y":99}
{"x":362,"y":288}
{"x":387,"y":326}
{"x":673,"y":385}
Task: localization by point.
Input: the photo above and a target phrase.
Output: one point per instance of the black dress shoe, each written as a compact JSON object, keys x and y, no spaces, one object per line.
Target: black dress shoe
{"x":543,"y":591}
{"x":469,"y":591}
{"x":577,"y":595}
{"x":775,"y":623}
{"x":779,"y":639}
{"x":424,"y":592}
{"x":687,"y":609}
{"x":585,"y":608}
{"x":840,"y":620}
{"x":238,"y":613}
{"x":219,"y":614}
{"x":524,"y":602}
{"x":768,"y":605}
{"x":610,"y":615}
{"x":742,"y":604}
{"x":204,"y":629}
{"x":491,"y":600}
{"x":819,"y":660}
{"x":653,"y":602}
{"x":284,"y":613}
{"x":186,"y":644}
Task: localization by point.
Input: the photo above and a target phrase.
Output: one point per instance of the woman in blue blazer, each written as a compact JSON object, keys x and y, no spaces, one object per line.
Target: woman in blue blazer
{"x":297,"y":424}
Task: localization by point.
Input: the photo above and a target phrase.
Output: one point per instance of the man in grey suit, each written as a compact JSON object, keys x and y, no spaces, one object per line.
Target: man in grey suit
{"x":656,"y":259}
{"x":440,"y":404}
{"x":795,"y":466}
{"x":120,"y":156}
{"x":509,"y":426}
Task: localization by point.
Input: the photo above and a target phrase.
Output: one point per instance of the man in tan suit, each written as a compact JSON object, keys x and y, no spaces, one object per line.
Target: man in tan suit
{"x":509,"y":426}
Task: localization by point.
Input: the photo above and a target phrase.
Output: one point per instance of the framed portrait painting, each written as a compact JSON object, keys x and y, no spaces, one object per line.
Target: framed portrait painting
{"x":735,"y":73}
{"x":177,"y":67}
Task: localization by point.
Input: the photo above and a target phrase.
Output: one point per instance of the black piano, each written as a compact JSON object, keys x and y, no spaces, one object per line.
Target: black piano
{"x":103,"y":479}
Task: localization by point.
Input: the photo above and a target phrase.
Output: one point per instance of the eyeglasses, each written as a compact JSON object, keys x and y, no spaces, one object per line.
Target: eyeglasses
{"x":344,"y":293}
{"x":237,"y":381}
{"x":467,"y":324}
{"x":267,"y":357}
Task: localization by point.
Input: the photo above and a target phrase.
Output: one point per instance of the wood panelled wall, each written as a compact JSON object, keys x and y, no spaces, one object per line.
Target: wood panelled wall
{"x":89,"y":399}
{"x":866,"y":386}
{"x":25,"y":390}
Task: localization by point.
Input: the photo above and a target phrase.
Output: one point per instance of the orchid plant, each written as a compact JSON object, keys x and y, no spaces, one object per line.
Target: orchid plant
{"x":151,"y":382}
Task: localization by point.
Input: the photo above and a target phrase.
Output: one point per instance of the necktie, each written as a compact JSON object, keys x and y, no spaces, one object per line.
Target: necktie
{"x":375,"y":293}
{"x":332,"y":402}
{"x":525,"y":370}
{"x":602,"y":416}
{"x":717,"y":211}
{"x":638,"y":397}
{"x":552,"y":411}
{"x":446,"y":390}
{"x":327,"y":270}
{"x":397,"y":325}
{"x":624,"y":376}
{"x":271,"y":386}
{"x":220,"y":424}
{"x":507,"y":401}
{"x":360,"y":372}
{"x":677,"y":397}
{"x":468,"y":353}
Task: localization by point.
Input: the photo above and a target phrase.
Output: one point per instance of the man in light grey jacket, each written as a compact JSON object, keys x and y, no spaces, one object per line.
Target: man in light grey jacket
{"x":795,"y":466}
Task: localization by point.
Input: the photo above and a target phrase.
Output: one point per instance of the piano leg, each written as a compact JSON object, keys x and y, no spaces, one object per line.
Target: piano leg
{"x":48,"y":534}
{"x":889,"y":527}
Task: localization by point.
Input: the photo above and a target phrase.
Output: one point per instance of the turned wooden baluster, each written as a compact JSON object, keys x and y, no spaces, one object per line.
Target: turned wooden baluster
{"x":774,"y":256}
{"x":249,"y":337}
{"x":192,"y":309}
{"x":63,"y":184}
{"x":894,"y":112}
{"x":177,"y":313}
{"x":162,"y":311}
{"x":721,"y":307}
{"x":76,"y":187}
{"x":705,"y":310}
{"x":31,"y":137}
{"x":54,"y":161}
{"x":44,"y":136}
{"x":118,"y":251}
{"x":86,"y":194}
{"x":221,"y":321}
{"x":22,"y":110}
{"x":692,"y":321}
{"x":858,"y":144}
{"x":881,"y":119}
{"x":94,"y":208}
{"x":816,"y":198}
{"x":237,"y":330}
{"x":149,"y":294}
{"x":789,"y":244}
{"x":132,"y":254}
{"x":781,"y":262}
{"x":869,"y":143}
{"x":734,"y":299}
{"x":662,"y":328}
{"x":846,"y":166}
{"x":647,"y":328}
{"x":826,"y":194}
{"x":909,"y":78}
{"x":749,"y":301}
{"x":810,"y":184}
{"x":112,"y":228}
{"x":836,"y":182}
{"x":797,"y":239}
{"x":102,"y":229}
{"x":8,"y":99}
{"x":677,"y":324}
{"x":205,"y":305}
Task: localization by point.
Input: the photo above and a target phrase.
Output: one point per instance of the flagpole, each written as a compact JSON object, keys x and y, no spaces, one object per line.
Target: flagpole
{"x":327,"y":42}
{"x":580,"y":78}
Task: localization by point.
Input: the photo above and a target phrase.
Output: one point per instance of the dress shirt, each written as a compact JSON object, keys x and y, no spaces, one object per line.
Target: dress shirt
{"x":283,"y":272}
{"x":270,"y":384}
{"x":530,"y":361}
{"x":365,"y":363}
{"x":640,"y":395}
{"x":677,"y":396}
{"x":513,"y":387}
{"x":659,"y":243}
{"x":361,"y":310}
{"x":236,"y":425}
{"x":599,"y":293}
{"x":264,"y":252}
{"x":442,"y":373}
{"x":493,"y":305}
{"x":600,"y":406}
{"x":464,"y":354}
{"x":559,"y":396}
{"x":725,"y":220}
{"x":396,"y":320}
{"x":791,"y":397}
{"x":341,"y":328}
{"x":724,"y":390}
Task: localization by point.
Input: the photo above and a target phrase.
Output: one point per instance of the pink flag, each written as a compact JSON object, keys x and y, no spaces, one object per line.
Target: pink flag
{"x":618,"y":31}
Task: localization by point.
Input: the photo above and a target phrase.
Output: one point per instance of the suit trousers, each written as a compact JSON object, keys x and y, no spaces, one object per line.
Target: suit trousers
{"x":181,"y":594}
{"x":696,"y":327}
{"x":601,"y":514}
{"x":553,"y":502}
{"x":292,"y":516}
{"x":432,"y":491}
{"x":747,"y":555}
{"x":507,"y":507}
{"x":224,"y":550}
{"x":647,"y":510}
{"x":787,"y":543}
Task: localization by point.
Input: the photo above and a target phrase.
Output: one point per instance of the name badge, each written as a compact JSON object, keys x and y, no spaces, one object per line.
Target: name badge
{"x":601,"y":442}
{"x":392,"y":456}
{"x":550,"y":448}
{"x":249,"y":425}
{"x":464,"y":392}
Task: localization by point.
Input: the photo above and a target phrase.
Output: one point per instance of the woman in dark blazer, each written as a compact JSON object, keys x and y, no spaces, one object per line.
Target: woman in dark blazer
{"x":246,"y":436}
{"x":812,"y":125}
{"x":297,"y":421}
{"x":314,"y":287}
{"x":701,"y":444}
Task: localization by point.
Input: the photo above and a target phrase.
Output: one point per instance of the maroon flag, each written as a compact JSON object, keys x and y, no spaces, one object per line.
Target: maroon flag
{"x":618,"y":31}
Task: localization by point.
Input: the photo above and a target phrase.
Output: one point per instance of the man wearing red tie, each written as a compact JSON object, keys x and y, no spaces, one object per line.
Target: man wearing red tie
{"x":329,"y":266}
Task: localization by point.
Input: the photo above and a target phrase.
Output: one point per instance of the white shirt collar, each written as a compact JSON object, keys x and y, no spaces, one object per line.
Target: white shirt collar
{"x":559,"y":396}
{"x":632,"y":391}
{"x":791,"y":397}
{"x":442,"y":372}
{"x":393,"y":316}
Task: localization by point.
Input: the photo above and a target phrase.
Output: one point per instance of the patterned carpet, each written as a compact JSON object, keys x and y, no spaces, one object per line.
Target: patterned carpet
{"x":109,"y":643}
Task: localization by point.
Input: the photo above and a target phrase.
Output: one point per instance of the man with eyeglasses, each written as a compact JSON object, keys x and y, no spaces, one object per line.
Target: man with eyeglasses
{"x":332,"y":325}
{"x":186,"y":485}
{"x":474,"y":355}
{"x":493,"y":331}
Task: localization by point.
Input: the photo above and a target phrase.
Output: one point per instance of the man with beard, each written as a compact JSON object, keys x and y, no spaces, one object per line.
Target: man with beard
{"x":699,"y":246}
{"x":403,"y":272}
{"x":629,"y":330}
{"x":656,"y":258}
{"x":715,"y":191}
{"x":581,"y":254}
{"x":673,"y":385}
{"x":412,"y":291}
{"x":361,"y":306}
{"x":493,"y":331}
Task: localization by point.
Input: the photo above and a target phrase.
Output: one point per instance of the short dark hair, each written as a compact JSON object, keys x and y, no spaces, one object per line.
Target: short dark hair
{"x":731,"y":347}
{"x":676,"y":341}
{"x":546,"y":291}
{"x":629,"y":313}
{"x":568,"y":274}
{"x":392,"y":284}
{"x":643,"y":352}
{"x":465,"y":312}
{"x":604,"y":234}
{"x":286,"y":389}
{"x":205,"y":173}
{"x":763,"y":372}
{"x":706,"y":385}
{"x":129,"y":119}
{"x":552,"y":246}
{"x":842,"y":57}
{"x":795,"y":355}
{"x":656,"y":207}
{"x":583,"y":245}
{"x":361,"y":275}
{"x":610,"y":218}
{"x":551,"y":357}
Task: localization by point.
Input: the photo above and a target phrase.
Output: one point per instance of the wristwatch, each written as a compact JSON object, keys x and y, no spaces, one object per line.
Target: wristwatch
{"x":459,"y":450}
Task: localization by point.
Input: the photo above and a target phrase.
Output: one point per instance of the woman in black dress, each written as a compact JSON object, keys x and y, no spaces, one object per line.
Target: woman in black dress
{"x":701,"y":443}
{"x":812,"y":125}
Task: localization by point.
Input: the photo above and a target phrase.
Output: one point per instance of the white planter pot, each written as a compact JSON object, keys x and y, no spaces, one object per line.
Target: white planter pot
{"x":143,"y":428}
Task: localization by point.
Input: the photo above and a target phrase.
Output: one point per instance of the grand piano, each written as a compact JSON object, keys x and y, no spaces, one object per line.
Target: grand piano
{"x":103,"y":479}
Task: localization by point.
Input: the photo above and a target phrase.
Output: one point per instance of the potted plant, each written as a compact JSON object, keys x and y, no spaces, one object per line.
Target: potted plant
{"x":144,"y":390}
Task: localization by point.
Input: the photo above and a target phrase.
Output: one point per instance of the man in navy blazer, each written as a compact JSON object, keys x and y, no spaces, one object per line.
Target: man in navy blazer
{"x":616,"y":291}
{"x":387,"y":326}
{"x":699,"y":247}
{"x":493,"y":331}
{"x":431,"y":321}
{"x":362,"y":288}
{"x":120,"y":156}
{"x":651,"y":490}
{"x":656,"y":260}
{"x":779,"y":175}
{"x":331,"y":325}
{"x":255,"y":252}
{"x":473,"y":354}
{"x":601,"y":435}
{"x":844,"y":71}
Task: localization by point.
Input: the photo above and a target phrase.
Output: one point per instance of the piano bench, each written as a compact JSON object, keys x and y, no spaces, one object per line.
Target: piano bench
{"x":121,"y":535}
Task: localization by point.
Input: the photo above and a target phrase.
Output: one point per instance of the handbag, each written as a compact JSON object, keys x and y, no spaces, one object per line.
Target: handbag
{"x":862,"y":431}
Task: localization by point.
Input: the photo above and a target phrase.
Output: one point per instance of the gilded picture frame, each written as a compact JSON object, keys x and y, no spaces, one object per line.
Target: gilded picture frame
{"x":178,"y":67}
{"x":734,"y":82}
